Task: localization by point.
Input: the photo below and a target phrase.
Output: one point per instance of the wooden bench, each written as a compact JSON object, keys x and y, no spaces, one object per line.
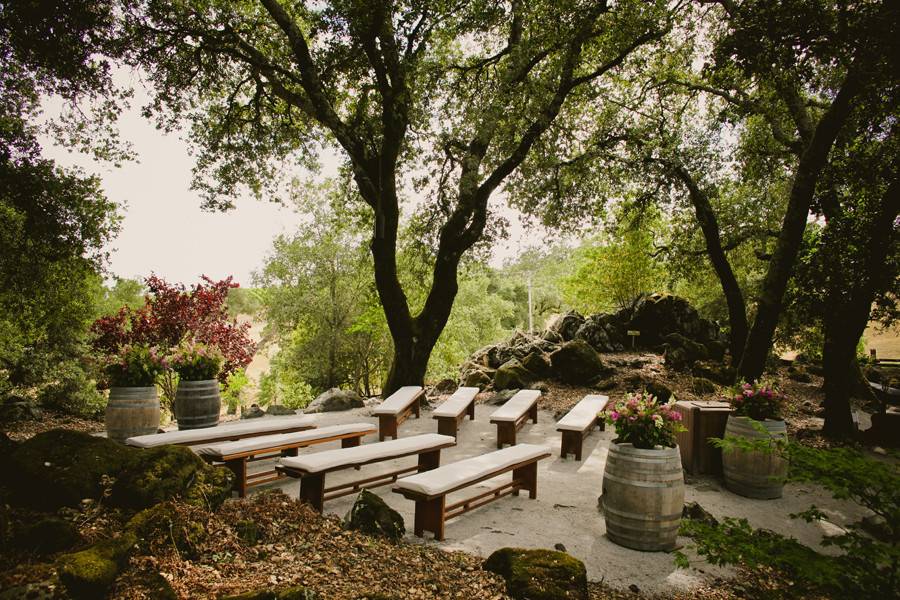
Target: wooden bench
{"x":312,"y":468}
{"x":579,"y":422}
{"x":236,"y":430}
{"x":452,"y":412}
{"x":236,"y":455}
{"x":396,"y":408}
{"x":510,"y":417}
{"x":429,"y":490}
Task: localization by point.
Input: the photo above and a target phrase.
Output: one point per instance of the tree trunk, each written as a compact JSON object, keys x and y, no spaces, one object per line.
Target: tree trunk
{"x":838,"y":354}
{"x":734,"y":298}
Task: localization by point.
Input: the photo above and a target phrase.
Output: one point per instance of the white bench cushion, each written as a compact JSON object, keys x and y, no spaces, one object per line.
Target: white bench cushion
{"x":583,"y":413}
{"x":223,"y":432}
{"x":349,"y":457}
{"x":456,"y":403}
{"x":443,"y":479}
{"x":279,"y":439}
{"x":398,"y":401}
{"x":516,"y":406}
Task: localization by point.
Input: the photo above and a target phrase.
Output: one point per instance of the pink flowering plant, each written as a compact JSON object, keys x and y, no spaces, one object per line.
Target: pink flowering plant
{"x":194,"y":361}
{"x":759,"y":401}
{"x":644,"y":423}
{"x":135,"y":365}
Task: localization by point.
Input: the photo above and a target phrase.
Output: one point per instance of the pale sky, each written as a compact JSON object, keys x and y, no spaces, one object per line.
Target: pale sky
{"x":165,"y":231}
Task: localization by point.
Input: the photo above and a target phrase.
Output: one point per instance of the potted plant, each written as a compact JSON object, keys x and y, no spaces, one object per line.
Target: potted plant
{"x":197,"y":401}
{"x":643,"y":485}
{"x":752,"y":465}
{"x":133,"y":405}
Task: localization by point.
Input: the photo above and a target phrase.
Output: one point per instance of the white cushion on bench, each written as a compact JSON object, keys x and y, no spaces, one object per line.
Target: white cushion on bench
{"x":279,"y":439}
{"x":442,"y":479}
{"x":516,"y":406}
{"x":348,"y":457}
{"x":224,"y":432}
{"x":398,"y":401}
{"x":456,"y":403}
{"x":583,"y":414}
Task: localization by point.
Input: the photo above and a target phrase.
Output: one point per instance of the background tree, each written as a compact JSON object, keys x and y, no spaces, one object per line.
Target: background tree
{"x":262,"y":82}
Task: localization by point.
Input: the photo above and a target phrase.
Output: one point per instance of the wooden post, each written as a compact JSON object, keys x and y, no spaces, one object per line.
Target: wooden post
{"x":312,"y":490}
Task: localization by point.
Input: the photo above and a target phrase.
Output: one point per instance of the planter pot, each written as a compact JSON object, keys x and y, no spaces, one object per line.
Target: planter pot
{"x":131,"y":411}
{"x":197,"y":404}
{"x":643,"y":495}
{"x":754,"y":474}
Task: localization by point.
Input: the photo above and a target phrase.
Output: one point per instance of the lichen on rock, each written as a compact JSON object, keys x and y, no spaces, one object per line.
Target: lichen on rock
{"x":539,"y":574}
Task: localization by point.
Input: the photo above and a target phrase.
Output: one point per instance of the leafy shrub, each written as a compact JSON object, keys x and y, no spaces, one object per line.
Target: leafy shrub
{"x":72,"y":390}
{"x":280,"y":386}
{"x":642,"y":422}
{"x":867,"y":565}
{"x":232,"y":389}
{"x":136,"y":365}
{"x":194,"y":361}
{"x":757,"y":401}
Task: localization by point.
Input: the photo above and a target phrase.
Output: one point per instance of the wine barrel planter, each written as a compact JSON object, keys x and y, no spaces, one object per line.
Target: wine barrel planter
{"x":643,"y":495}
{"x":752,"y":473}
{"x":131,"y":411}
{"x":197,"y":404}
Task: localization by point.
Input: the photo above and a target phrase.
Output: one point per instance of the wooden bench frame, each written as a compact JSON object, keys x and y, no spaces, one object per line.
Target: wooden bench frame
{"x":432,"y":511}
{"x":450,"y":425}
{"x":312,"y":485}
{"x":388,"y":424}
{"x":237,"y":462}
{"x":573,"y":441}
{"x":506,"y":430}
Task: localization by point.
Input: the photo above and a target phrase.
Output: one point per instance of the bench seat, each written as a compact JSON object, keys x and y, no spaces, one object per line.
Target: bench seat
{"x":579,"y":422}
{"x":236,"y":455}
{"x":312,"y":468}
{"x":396,"y":408}
{"x":429,"y":490}
{"x":227,"y":431}
{"x":510,"y":417}
{"x":454,"y":410}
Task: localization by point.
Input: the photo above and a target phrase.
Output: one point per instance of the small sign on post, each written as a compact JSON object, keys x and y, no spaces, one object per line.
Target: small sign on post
{"x":633,"y":333}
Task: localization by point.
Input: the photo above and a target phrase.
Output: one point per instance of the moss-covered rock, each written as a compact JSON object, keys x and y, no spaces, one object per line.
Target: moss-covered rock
{"x":539,"y":574}
{"x":372,"y":516}
{"x":577,"y":363}
{"x":91,"y":572}
{"x":512,"y":375}
{"x":60,"y":468}
{"x":478,"y":378}
{"x":46,"y":536}
{"x":290,"y":593}
{"x":702,"y":385}
{"x":538,"y":363}
{"x":248,"y":532}
{"x":165,"y":521}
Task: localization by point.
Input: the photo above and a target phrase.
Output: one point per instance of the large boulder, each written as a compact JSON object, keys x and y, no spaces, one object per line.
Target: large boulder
{"x":658,"y":315}
{"x":335,"y":400}
{"x":602,"y":332}
{"x":90,"y":573}
{"x":60,"y":468}
{"x":566,"y":325}
{"x":47,"y":535}
{"x":512,"y":375}
{"x":539,"y":574}
{"x":538,"y":363}
{"x":280,"y":410}
{"x":372,"y":516}
{"x":480,"y":378}
{"x":577,"y":363}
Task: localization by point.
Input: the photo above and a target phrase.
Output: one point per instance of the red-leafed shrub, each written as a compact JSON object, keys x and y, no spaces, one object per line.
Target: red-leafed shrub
{"x":172,"y":314}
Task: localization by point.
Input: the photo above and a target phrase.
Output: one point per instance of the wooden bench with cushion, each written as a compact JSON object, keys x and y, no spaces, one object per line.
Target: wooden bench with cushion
{"x":579,"y":422}
{"x":429,"y":490}
{"x":236,"y":455}
{"x":510,"y":417}
{"x":237,"y":430}
{"x":312,"y":468}
{"x":452,"y":412}
{"x":396,"y":408}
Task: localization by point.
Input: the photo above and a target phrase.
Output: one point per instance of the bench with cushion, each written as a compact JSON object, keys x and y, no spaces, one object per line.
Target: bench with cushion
{"x":396,"y":408}
{"x":579,"y":422}
{"x":452,"y":412}
{"x":510,"y":417}
{"x":237,"y":430}
{"x":312,"y":468}
{"x":236,"y":455}
{"x":429,"y":490}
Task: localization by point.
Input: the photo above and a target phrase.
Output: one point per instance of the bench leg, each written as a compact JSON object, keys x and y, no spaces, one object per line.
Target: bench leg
{"x":312,"y":490}
{"x":387,"y":427}
{"x":429,"y":460}
{"x":532,"y":413}
{"x":351,"y":442}
{"x":290,"y":452}
{"x":471,"y":410}
{"x":447,"y":426}
{"x":430,"y":517}
{"x":506,"y":433}
{"x":239,"y":468}
{"x":417,"y":407}
{"x":526,"y":479}
{"x":571,"y":444}
{"x":601,"y":423}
